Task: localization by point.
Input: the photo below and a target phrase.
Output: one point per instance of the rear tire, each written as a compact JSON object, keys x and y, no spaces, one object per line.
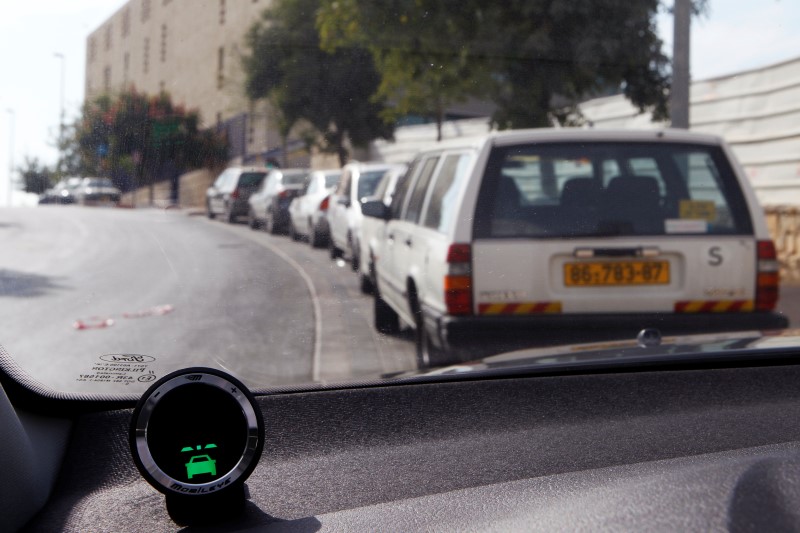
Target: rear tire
{"x":252,"y":220}
{"x":428,"y":355}
{"x":365,"y":284}
{"x":386,"y":319}
{"x":334,"y":252}
{"x":269,"y":224}
{"x":209,"y":213}
{"x":293,"y":232}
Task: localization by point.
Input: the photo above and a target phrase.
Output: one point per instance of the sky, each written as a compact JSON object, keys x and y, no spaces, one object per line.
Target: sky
{"x":735,"y":35}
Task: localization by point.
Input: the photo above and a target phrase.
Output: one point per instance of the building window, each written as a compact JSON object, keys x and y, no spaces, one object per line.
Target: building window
{"x":146,"y":63}
{"x":126,"y":22}
{"x":220,"y":67}
{"x":108,"y":37}
{"x":126,"y":62}
{"x":161,"y":86}
{"x":145,"y":10}
{"x":92,"y":49}
{"x":167,"y":2}
{"x":222,"y":11}
{"x":163,"y":42}
{"x":107,"y":78}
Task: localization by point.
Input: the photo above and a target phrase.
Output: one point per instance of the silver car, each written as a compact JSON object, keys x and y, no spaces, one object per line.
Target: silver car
{"x":229,"y":193}
{"x":308,"y":212}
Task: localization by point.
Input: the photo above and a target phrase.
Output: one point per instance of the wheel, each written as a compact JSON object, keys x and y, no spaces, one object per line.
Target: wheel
{"x":366,"y":284}
{"x":269,"y":224}
{"x":428,"y":355}
{"x":386,"y":319}
{"x":293,"y":232}
{"x":209,"y":213}
{"x":252,"y":220}
{"x":229,"y":216}
{"x":315,"y":237}
{"x":335,"y":253}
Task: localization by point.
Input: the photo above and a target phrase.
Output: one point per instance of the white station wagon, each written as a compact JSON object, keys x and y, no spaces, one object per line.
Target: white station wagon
{"x":533,"y":237}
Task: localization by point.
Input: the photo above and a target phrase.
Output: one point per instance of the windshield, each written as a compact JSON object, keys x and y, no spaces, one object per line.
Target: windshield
{"x":549,"y":174}
{"x":368,"y":182}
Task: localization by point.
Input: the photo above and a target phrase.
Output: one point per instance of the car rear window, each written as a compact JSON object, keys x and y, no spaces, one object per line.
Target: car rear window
{"x":294,"y":178}
{"x":368,"y":182}
{"x":332,"y":180}
{"x":251,"y":179}
{"x":606,"y":189}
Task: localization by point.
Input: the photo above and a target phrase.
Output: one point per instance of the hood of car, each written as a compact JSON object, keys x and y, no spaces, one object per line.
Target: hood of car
{"x":630,"y":353}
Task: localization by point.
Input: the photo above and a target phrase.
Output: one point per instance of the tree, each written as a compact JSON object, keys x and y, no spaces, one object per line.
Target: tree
{"x":332,"y":91}
{"x":136,"y":139}
{"x":422,"y":48}
{"x":36,"y":177}
{"x":535,"y":59}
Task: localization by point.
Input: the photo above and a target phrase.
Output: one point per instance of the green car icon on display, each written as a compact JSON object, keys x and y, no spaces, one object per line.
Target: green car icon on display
{"x":201,"y":464}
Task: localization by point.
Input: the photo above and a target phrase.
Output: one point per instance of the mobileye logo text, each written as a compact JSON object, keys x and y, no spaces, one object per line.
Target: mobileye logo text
{"x":117,"y":358}
{"x":202,"y":490}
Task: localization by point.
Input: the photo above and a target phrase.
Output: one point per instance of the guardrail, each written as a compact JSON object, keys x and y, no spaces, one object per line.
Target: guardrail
{"x":783,"y":222}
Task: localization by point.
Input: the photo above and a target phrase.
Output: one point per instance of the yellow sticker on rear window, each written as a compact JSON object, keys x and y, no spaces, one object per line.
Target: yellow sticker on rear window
{"x":698,"y":210}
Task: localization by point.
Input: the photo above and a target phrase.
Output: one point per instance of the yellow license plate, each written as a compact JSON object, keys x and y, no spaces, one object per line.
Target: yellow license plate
{"x":616,"y":273}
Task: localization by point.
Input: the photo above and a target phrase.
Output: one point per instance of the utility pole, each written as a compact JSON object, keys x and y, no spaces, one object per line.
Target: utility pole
{"x":679,"y":95}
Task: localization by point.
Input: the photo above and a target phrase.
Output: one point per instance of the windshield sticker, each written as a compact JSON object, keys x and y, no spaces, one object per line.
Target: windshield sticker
{"x":99,"y":322}
{"x":698,"y":209}
{"x":120,"y":369}
{"x":679,"y":225}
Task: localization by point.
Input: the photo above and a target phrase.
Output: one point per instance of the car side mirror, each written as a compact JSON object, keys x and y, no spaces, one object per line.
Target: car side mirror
{"x":375,"y":209}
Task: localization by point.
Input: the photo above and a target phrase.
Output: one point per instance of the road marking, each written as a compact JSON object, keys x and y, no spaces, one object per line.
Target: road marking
{"x":316,"y":358}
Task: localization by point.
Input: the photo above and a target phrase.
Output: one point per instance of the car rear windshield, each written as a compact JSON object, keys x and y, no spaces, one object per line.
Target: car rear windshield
{"x":332,"y":180}
{"x":251,"y":179}
{"x":609,"y":189}
{"x":99,"y":182}
{"x":294,"y":178}
{"x":368,"y":182}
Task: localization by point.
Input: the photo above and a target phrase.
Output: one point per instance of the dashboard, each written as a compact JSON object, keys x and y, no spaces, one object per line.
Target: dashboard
{"x":675,"y":447}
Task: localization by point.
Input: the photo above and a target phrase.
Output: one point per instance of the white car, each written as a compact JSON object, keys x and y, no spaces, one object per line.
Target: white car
{"x":307,"y":212}
{"x":528,"y":237}
{"x":373,"y":230}
{"x":359,"y":181}
{"x":269,"y":205}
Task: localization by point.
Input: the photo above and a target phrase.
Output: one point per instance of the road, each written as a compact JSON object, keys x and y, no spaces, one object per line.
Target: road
{"x":181,"y":290}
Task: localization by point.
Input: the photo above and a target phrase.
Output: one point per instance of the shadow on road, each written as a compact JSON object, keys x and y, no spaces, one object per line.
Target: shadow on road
{"x":15,"y":284}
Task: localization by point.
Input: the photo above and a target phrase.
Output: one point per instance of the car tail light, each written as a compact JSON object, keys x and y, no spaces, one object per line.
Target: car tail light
{"x":235,"y":194}
{"x":767,"y":276}
{"x":458,"y":280}
{"x":285,"y":194}
{"x":323,"y":205}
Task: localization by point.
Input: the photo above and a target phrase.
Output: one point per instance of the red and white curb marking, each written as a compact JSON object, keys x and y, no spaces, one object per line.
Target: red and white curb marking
{"x":97,"y":322}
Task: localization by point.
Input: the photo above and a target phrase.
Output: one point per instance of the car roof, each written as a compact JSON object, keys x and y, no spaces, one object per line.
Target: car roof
{"x":509,"y":137}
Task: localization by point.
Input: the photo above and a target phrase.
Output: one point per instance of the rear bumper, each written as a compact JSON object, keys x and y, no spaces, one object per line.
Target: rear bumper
{"x":473,"y":337}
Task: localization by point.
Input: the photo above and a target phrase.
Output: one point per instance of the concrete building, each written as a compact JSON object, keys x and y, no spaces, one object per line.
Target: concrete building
{"x":192,"y":49}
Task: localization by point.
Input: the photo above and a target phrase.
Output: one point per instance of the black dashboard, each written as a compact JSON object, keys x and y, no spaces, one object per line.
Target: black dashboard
{"x":670,"y":448}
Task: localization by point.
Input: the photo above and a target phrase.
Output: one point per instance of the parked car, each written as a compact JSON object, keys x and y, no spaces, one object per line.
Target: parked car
{"x":270,"y":204}
{"x":62,"y":192}
{"x":97,"y":191}
{"x":229,"y":193}
{"x":359,"y":181}
{"x":537,"y":236}
{"x":373,"y":230}
{"x":308,"y":211}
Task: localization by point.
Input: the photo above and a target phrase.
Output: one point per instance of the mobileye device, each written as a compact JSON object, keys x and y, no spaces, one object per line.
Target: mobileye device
{"x":196,"y":435}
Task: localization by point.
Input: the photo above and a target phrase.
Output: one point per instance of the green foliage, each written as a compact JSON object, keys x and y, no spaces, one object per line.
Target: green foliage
{"x":135,"y":135}
{"x":36,"y":177}
{"x":535,"y":59}
{"x":333,"y":91}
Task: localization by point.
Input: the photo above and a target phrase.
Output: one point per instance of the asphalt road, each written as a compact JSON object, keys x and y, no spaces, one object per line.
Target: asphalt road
{"x":181,"y":290}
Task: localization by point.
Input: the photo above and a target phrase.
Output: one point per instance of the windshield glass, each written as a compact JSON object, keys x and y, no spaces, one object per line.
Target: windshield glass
{"x":368,"y":182}
{"x":569,"y":172}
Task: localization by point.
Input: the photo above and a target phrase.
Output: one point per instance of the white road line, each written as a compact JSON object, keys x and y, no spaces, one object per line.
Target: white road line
{"x":316,"y":359}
